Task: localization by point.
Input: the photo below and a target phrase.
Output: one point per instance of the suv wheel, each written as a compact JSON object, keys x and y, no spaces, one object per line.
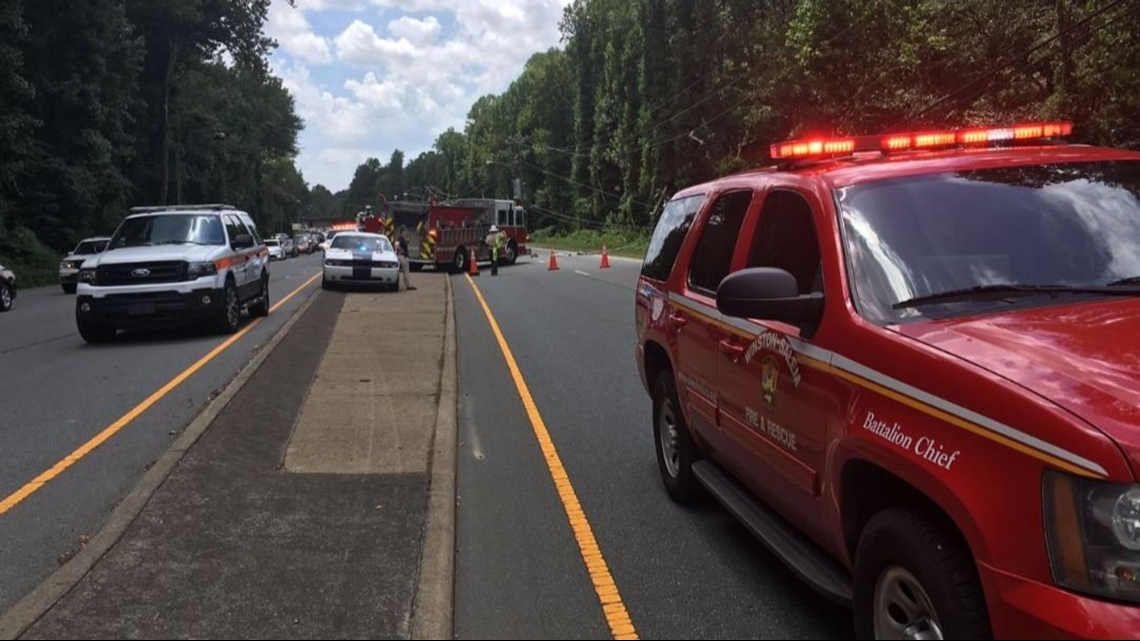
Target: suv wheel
{"x":916,"y":579}
{"x":5,"y":297}
{"x":94,"y":333}
{"x":229,"y":316}
{"x":676,"y":450}
{"x":260,"y":309}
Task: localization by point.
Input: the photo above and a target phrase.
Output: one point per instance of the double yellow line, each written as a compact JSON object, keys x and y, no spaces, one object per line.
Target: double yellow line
{"x":30,"y":488}
{"x":621,"y":626}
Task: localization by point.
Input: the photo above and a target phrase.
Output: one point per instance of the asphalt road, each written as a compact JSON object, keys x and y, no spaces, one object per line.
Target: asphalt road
{"x":683,"y":573}
{"x":56,"y":393}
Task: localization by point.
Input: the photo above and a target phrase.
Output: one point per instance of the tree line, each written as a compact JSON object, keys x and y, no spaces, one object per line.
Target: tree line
{"x":109,"y":104}
{"x":645,"y":97}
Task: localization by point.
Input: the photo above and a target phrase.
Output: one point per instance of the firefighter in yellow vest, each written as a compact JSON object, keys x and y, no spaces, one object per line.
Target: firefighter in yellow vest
{"x":497,"y":240}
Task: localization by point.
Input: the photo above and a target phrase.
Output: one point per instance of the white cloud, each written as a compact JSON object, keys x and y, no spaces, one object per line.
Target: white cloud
{"x":293,"y":32}
{"x":417,"y":31}
{"x":401,"y":71}
{"x":360,"y":45}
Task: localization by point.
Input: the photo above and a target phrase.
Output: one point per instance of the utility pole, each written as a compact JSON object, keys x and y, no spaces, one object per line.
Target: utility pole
{"x":517,"y":192}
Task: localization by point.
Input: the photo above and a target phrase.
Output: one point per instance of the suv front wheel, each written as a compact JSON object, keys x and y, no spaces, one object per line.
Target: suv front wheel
{"x":94,"y":333}
{"x":916,"y":579}
{"x":229,"y":316}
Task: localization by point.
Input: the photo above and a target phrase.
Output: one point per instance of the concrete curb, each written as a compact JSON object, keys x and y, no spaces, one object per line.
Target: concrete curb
{"x":43,"y":598}
{"x":434,"y":606}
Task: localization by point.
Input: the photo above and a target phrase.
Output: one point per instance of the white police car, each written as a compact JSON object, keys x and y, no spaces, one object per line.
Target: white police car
{"x":70,"y":265}
{"x":359,"y":257}
{"x":174,"y":266}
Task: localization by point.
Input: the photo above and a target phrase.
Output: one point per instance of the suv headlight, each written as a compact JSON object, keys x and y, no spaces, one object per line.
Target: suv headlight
{"x":1093,"y":530}
{"x":194,"y":271}
{"x":87,"y":276}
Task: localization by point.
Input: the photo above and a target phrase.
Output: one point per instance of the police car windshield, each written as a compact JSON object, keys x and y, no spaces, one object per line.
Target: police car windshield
{"x":1050,"y":227}
{"x":169,"y":229}
{"x":361,"y":243}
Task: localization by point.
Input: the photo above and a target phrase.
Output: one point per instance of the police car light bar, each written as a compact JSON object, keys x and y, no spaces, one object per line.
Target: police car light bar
{"x":813,"y":148}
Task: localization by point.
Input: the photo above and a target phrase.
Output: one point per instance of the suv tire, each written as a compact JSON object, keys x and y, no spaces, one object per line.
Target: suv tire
{"x":94,"y":333}
{"x":260,"y":309}
{"x":229,"y":316}
{"x":915,"y":575}
{"x":676,"y":449}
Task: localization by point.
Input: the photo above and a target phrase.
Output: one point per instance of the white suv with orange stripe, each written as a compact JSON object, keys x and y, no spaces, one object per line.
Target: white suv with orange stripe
{"x":169,"y":266}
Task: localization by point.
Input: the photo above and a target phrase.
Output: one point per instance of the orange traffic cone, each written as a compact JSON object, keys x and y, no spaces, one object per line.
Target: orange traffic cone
{"x":553,"y":261}
{"x":474,"y":264}
{"x":605,"y":258}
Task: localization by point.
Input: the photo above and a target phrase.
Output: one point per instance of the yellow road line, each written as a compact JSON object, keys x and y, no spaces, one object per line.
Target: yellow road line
{"x":621,"y":626}
{"x":46,"y":477}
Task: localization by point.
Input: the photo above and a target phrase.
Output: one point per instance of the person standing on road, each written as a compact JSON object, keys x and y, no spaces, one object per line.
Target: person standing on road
{"x":494,"y":241}
{"x":402,"y":252}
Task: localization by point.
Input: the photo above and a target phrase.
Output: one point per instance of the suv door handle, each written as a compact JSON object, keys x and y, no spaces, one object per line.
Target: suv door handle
{"x":679,"y":320}
{"x":732,"y":348}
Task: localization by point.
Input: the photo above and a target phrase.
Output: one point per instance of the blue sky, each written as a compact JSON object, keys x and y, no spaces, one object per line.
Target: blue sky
{"x":372,"y":76}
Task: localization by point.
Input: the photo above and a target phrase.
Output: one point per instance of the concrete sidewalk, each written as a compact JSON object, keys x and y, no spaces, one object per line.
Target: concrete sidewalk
{"x":301,"y":512}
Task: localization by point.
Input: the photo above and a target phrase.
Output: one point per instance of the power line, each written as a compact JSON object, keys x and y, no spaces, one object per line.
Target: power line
{"x":584,"y":221}
{"x":581,"y":184}
{"x":1003,"y":65}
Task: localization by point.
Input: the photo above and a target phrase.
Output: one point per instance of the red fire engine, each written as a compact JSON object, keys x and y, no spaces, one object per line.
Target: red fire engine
{"x":446,"y":233}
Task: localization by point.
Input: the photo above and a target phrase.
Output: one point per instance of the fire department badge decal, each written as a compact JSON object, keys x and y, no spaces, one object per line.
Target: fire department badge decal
{"x":769,"y":379}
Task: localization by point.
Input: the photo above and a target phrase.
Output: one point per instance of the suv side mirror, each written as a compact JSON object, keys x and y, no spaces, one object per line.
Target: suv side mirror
{"x":243,"y":241}
{"x":767,"y":293}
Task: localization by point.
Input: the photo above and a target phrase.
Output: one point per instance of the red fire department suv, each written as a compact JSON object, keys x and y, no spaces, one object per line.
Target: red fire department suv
{"x":910,"y":365}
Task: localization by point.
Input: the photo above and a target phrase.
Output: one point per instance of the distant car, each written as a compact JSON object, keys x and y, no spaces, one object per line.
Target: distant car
{"x":304,"y":245}
{"x":289,"y":248}
{"x":69,"y":267}
{"x":358,"y":257}
{"x":7,"y":288}
{"x":276,"y":251}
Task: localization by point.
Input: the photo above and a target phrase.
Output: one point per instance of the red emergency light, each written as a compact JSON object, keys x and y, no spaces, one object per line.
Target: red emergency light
{"x":816,"y":148}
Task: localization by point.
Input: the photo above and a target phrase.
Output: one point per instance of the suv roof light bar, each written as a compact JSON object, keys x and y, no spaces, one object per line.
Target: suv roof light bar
{"x":820,"y":148}
{"x":209,"y":207}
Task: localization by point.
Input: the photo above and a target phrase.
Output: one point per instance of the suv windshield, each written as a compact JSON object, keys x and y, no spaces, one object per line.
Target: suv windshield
{"x":362,"y":243}
{"x":170,"y":229}
{"x":949,"y":244}
{"x":90,"y":247}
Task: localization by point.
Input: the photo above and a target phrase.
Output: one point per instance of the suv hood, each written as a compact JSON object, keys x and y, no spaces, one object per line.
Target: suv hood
{"x":160,"y":253}
{"x":1083,"y":357}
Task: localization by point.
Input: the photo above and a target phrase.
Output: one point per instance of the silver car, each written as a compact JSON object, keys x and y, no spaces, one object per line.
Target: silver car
{"x":84,"y":251}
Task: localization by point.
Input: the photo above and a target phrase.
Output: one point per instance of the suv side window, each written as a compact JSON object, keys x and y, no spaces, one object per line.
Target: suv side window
{"x":713,"y":256}
{"x":234,"y":227}
{"x":252,"y":227}
{"x":671,"y":231}
{"x":786,"y":238}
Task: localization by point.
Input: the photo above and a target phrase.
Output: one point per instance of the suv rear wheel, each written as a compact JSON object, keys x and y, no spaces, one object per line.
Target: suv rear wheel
{"x":916,"y":579}
{"x":676,"y":450}
{"x":229,"y":316}
{"x":260,"y":309}
{"x":6,"y":296}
